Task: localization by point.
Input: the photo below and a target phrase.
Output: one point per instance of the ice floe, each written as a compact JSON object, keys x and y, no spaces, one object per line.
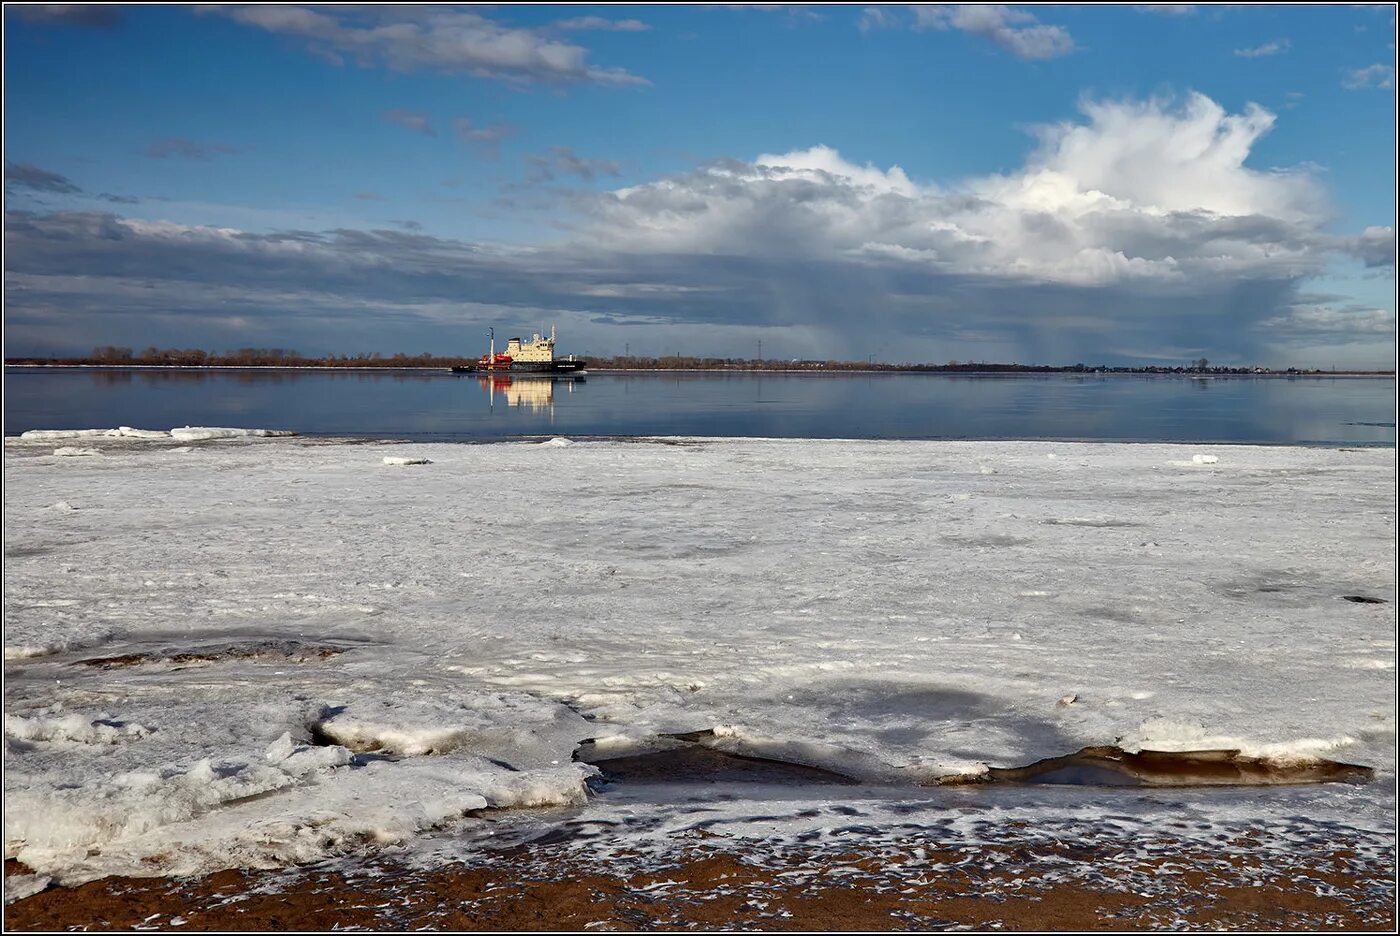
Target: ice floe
{"x":266,"y":653}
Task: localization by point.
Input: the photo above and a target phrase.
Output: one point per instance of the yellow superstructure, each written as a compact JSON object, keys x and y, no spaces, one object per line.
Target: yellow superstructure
{"x":538,"y":350}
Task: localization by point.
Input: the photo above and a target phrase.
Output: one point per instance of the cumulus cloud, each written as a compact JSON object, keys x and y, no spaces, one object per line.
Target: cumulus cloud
{"x":1141,"y":190}
{"x":418,"y":123}
{"x":188,"y":149}
{"x":440,"y":39}
{"x":1372,"y":76}
{"x":1268,"y":48}
{"x":1140,"y":225}
{"x":1016,"y":31}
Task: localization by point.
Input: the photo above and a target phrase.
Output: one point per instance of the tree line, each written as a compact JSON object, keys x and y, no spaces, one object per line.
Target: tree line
{"x":111,"y":356}
{"x":242,"y":357}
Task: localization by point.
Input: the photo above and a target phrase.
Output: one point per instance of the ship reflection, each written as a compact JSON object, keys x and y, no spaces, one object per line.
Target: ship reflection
{"x":534,"y":393}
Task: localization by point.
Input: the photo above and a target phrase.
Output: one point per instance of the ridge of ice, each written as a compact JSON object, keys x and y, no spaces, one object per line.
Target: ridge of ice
{"x":205,"y":433}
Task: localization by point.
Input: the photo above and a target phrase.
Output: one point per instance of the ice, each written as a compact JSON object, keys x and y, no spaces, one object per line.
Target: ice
{"x":129,"y":433}
{"x":403,"y":460}
{"x":72,"y":451}
{"x":55,"y":435}
{"x":1204,"y":459}
{"x":72,"y":727}
{"x":557,"y":442}
{"x":203,"y":434}
{"x":20,"y":886}
{"x":883,"y":610}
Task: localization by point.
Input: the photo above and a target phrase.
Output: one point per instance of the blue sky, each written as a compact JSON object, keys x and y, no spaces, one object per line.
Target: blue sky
{"x":1122,"y":184}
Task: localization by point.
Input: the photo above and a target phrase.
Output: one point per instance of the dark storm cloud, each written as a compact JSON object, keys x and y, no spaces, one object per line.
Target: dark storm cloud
{"x":405,"y":280}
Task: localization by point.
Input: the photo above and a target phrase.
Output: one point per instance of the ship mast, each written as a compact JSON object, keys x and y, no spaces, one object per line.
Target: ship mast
{"x":491,"y":360}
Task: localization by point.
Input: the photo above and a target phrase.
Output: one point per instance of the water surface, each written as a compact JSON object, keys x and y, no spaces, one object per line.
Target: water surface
{"x":429,"y":405}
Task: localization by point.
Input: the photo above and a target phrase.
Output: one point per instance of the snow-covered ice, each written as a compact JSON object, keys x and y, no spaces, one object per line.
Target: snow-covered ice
{"x":405,"y":460}
{"x":291,"y":657}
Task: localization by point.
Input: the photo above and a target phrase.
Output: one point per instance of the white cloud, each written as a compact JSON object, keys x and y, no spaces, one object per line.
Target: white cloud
{"x":1137,"y":190}
{"x":443,"y":39}
{"x":1015,"y":30}
{"x":1268,"y":48}
{"x":1169,"y":9}
{"x":1372,"y":76}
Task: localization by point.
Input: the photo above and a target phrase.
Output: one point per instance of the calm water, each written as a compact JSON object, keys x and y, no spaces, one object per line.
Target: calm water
{"x":426,"y":405}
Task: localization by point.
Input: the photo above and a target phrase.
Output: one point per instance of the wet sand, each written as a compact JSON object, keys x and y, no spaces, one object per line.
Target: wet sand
{"x":710,"y":884}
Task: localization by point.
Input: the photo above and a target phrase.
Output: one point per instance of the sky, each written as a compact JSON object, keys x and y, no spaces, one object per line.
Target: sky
{"x":1044,"y":184}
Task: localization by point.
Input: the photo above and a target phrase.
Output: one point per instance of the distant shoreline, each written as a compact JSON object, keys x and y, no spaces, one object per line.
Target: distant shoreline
{"x":995,"y":371}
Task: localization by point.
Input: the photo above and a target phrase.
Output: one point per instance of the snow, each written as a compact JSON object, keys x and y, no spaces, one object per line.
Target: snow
{"x":72,"y":451}
{"x":404,"y":460}
{"x":893,"y":611}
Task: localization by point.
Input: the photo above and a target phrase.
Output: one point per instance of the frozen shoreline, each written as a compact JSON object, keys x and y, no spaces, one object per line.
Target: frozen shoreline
{"x":323,"y":652}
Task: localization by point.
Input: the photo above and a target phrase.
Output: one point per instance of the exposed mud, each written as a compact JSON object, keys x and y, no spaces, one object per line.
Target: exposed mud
{"x":1013,"y":886}
{"x":1113,"y":766}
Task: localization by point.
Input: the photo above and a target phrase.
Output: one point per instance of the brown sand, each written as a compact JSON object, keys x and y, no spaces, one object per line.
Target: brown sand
{"x":709,"y":886}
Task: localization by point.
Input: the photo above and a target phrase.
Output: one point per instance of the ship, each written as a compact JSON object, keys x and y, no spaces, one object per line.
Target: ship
{"x":535,"y":356}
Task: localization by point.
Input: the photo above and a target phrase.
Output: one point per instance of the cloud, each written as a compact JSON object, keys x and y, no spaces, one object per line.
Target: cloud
{"x":1337,"y":323}
{"x":563,"y":160}
{"x":1372,"y":76}
{"x":70,"y":14}
{"x":875,"y":17}
{"x":1139,"y":225}
{"x":1016,"y":31}
{"x":1268,"y":48}
{"x":418,"y":123}
{"x":439,"y":39}
{"x":1375,"y":246}
{"x":34,"y":179}
{"x":1168,"y":9}
{"x":189,"y":149}
{"x":597,"y":22}
{"x":488,"y":137}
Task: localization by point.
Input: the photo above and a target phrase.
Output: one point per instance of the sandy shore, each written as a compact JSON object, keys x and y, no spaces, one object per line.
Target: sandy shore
{"x":707,"y":885}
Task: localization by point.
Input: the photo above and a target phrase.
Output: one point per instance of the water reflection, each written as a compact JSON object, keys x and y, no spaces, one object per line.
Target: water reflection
{"x":534,"y":392}
{"x":440,"y":405}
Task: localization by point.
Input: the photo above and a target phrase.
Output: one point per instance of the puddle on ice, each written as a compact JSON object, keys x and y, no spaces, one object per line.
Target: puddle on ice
{"x":697,"y":764}
{"x":272,"y":651}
